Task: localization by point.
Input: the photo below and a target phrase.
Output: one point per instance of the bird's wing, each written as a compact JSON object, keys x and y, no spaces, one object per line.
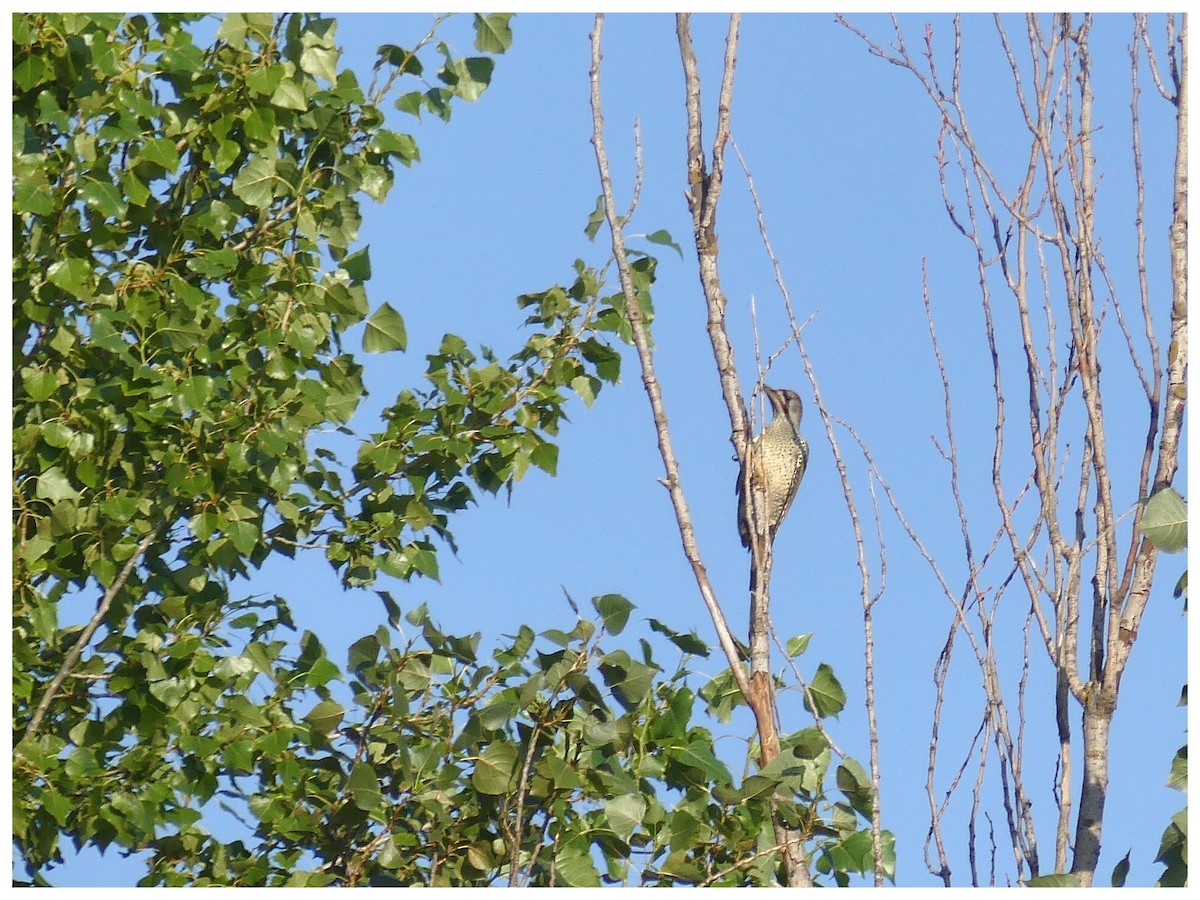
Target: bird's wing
{"x":795,"y":486}
{"x":757,"y":478}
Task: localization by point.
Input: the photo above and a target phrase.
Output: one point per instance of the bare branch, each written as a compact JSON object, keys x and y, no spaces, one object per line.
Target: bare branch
{"x":649,"y":379}
{"x":1046,"y":228}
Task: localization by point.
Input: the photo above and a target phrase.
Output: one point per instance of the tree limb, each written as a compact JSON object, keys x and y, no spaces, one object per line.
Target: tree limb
{"x":74,"y":653}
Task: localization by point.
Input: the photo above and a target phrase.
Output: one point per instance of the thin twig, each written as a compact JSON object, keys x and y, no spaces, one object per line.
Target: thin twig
{"x":868,"y":600}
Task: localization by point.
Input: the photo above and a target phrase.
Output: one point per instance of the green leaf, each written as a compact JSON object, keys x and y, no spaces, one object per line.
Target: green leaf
{"x":625,"y":813}
{"x":195,"y":392}
{"x":57,"y":805}
{"x":629,"y":680}
{"x":32,"y":70}
{"x":827,"y":693}
{"x":576,"y":869}
{"x":1064,"y":879}
{"x":214,"y":264}
{"x":496,"y":769}
{"x":241,"y":523}
{"x":493,"y":33}
{"x":856,"y":853}
{"x":402,"y":146}
{"x":596,"y":219}
{"x":614,"y":610}
{"x":700,"y":755}
{"x":468,"y":77}
{"x":363,"y":787}
{"x":320,"y":62}
{"x":1179,"y":770}
{"x":32,"y":196}
{"x":664,"y":238}
{"x":404,"y":60}
{"x":797,"y":645}
{"x":363,"y":652}
{"x":545,"y":457}
{"x":54,"y":485}
{"x":103,"y":196}
{"x":358,"y":265}
{"x":260,"y":128}
{"x":322,"y":672}
{"x":1164,"y":522}
{"x":688,"y":643}
{"x":161,"y":152}
{"x":1172,"y":852}
{"x":255,"y":183}
{"x":425,"y":562}
{"x":82,"y":763}
{"x":1121,"y":871}
{"x":385,"y":331}
{"x":599,"y":734}
{"x":585,"y":386}
{"x":39,"y":384}
{"x":289,"y":95}
{"x":412,"y":103}
{"x":69,"y":274}
{"x":855,"y":783}
{"x":237,"y":28}
{"x":326,"y":716}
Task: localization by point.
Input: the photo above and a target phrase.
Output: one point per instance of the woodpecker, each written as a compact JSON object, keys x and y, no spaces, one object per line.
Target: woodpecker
{"x":777,"y":458}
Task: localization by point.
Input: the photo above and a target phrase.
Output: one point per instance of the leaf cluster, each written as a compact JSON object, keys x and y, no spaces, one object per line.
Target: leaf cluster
{"x":185,"y":277}
{"x":552,"y":760}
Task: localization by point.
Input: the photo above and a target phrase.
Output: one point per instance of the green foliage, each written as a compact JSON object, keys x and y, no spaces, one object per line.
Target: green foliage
{"x":1172,"y":852}
{"x":187,"y":271}
{"x":185,"y":274}
{"x":1172,"y":848}
{"x":455,"y":768}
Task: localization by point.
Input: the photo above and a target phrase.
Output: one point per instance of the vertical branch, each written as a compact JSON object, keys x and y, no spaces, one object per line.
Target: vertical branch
{"x":1175,"y":397}
{"x":704,"y":190}
{"x":641,"y":342}
{"x":1168,"y":458}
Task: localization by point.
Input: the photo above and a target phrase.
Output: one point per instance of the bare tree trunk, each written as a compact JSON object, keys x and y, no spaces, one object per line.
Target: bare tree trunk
{"x":1097,"y":720}
{"x":1123,"y":625}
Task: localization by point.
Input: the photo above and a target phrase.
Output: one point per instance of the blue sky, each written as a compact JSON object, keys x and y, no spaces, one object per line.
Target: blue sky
{"x":841,"y":146}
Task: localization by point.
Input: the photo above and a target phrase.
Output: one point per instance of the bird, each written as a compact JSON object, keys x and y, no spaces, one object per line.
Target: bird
{"x":777,"y":458}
